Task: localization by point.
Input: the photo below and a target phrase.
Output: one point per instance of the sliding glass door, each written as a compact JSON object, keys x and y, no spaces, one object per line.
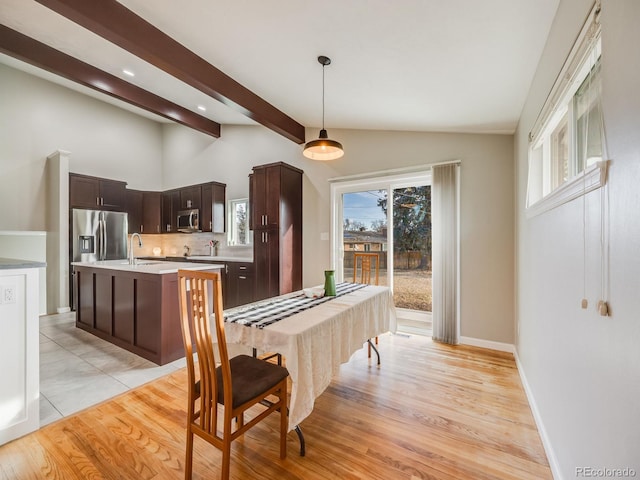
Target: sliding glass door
{"x":412,"y":247}
{"x":390,"y":216}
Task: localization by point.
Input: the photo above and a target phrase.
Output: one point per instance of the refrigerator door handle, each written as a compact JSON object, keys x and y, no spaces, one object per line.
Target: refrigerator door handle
{"x":104,"y":240}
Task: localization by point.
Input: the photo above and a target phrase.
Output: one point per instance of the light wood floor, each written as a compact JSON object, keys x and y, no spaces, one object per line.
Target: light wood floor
{"x":428,"y":412}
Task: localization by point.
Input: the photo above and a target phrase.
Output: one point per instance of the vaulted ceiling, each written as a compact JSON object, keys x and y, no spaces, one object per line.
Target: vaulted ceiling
{"x":415,"y":65}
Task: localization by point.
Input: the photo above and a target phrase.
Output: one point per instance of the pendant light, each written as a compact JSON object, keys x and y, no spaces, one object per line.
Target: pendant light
{"x":323,"y":148}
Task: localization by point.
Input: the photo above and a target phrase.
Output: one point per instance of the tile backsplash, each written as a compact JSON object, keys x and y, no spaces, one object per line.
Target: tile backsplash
{"x":173,"y":244}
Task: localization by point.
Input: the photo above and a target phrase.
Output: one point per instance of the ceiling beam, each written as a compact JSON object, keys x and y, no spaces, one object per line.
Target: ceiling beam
{"x":119,"y":25}
{"x":38,"y":54}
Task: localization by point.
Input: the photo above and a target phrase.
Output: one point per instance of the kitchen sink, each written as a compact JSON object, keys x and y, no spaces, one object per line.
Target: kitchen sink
{"x":137,"y":264}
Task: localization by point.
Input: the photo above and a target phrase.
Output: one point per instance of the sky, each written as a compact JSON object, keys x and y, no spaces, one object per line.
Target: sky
{"x":362,"y":207}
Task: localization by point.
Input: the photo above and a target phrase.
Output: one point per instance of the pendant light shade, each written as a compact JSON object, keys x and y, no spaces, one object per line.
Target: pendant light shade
{"x":323,"y":148}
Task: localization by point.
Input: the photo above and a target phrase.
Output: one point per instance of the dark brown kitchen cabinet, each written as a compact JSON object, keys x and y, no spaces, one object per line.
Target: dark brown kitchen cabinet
{"x":190,"y":197}
{"x":133,"y":310}
{"x":239,"y":284}
{"x":276,"y":207}
{"x":170,"y":208}
{"x":134,"y":210}
{"x":144,"y":210}
{"x":212,"y":213}
{"x":96,"y":193}
{"x":151,"y":212}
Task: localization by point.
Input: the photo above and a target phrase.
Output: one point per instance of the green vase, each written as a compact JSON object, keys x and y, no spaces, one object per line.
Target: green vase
{"x":329,"y":283}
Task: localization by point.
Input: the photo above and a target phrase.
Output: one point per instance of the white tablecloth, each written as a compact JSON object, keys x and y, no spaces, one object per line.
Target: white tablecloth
{"x":317,"y":341}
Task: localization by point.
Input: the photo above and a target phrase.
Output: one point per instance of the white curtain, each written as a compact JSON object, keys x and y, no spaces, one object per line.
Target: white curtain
{"x":445,"y":230}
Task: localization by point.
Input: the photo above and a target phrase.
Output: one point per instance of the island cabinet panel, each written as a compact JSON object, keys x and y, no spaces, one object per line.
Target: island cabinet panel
{"x":86,"y":302}
{"x":147,"y":333}
{"x":104,"y":302}
{"x":123,"y":308}
{"x":133,"y":310}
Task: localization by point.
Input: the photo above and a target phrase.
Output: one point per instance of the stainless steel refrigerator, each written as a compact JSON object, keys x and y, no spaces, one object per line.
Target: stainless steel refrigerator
{"x":97,"y":235}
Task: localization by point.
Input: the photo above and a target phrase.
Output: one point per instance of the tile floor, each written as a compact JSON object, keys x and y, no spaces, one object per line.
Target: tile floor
{"x":78,"y":370}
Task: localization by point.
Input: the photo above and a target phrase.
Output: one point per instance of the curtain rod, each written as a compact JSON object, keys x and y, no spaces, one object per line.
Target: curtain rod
{"x":576,"y":46}
{"x":393,"y":171}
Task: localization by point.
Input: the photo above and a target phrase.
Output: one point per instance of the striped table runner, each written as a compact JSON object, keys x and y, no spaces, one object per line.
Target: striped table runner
{"x":264,"y":314}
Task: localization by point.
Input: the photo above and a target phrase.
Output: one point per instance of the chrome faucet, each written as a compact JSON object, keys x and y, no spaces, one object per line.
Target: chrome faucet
{"x":132,"y":259}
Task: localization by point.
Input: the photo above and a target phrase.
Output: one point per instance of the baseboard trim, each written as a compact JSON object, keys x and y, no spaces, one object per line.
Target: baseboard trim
{"x":546,"y":443}
{"x":63,"y":309}
{"x":479,"y":342}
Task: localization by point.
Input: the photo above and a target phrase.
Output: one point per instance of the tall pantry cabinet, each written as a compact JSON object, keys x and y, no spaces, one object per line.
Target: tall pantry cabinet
{"x":275,"y":196}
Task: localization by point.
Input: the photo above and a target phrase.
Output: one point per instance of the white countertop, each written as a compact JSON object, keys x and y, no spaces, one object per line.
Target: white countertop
{"x":149,"y":266}
{"x":13,"y":263}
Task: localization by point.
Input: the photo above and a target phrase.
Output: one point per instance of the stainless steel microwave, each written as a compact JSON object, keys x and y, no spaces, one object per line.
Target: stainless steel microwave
{"x":189,"y":220}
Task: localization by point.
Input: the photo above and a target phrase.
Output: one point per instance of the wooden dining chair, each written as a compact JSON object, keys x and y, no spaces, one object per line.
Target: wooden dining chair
{"x":366,"y":269}
{"x":236,"y":384}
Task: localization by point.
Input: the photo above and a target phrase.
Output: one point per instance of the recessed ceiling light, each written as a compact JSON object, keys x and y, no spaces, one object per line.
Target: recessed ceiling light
{"x":128,"y":72}
{"x":202,"y":108}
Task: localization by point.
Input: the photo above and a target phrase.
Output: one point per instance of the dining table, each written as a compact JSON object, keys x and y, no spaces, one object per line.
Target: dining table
{"x":314,"y":335}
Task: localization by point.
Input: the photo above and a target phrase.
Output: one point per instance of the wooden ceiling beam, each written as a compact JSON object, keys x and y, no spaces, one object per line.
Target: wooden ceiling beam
{"x":38,"y":54}
{"x":119,"y":25}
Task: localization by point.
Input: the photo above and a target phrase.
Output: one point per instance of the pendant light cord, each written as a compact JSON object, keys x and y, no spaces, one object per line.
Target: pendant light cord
{"x":323,"y":96}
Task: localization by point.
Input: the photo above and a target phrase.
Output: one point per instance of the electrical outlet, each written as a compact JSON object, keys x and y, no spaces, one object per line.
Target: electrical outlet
{"x":9,"y":295}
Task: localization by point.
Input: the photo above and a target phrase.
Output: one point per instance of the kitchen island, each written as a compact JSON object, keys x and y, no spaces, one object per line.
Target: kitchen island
{"x":134,"y":306}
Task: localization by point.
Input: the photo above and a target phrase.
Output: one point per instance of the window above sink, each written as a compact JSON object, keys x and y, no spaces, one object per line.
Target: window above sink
{"x":238,"y":233}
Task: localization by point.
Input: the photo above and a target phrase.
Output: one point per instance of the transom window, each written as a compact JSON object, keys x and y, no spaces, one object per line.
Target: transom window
{"x":567,"y":141}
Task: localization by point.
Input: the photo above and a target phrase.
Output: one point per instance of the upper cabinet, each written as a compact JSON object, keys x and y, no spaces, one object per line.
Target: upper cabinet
{"x":134,"y":210}
{"x":212,"y":213}
{"x":170,"y":208}
{"x":96,"y":193}
{"x":151,"y":212}
{"x":144,"y":211}
{"x":190,"y":197}
{"x":208,"y":198}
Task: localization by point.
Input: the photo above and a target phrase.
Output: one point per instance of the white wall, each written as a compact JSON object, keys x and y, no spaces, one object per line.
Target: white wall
{"x":583,"y":370}
{"x":38,"y":117}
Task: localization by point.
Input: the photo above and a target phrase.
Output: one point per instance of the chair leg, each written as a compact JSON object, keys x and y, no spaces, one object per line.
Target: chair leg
{"x":188,"y":463}
{"x":226,"y":459}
